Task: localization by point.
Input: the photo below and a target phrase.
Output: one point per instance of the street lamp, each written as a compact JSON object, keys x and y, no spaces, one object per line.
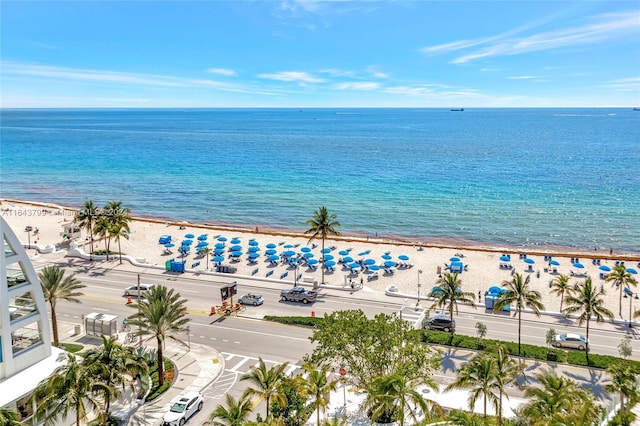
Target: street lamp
{"x":630,"y":295}
{"x":419,"y":273}
{"x":28,"y":230}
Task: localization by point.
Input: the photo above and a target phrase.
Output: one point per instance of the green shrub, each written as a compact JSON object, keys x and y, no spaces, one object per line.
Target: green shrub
{"x":71,"y":347}
{"x":157,"y":390}
{"x":302,"y":321}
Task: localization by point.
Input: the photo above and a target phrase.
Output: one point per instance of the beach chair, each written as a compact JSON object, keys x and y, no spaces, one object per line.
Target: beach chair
{"x":269,"y":273}
{"x":255,"y":271}
{"x":284,"y":275}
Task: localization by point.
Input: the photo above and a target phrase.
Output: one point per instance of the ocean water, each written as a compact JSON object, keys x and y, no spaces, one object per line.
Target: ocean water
{"x":567,"y":177}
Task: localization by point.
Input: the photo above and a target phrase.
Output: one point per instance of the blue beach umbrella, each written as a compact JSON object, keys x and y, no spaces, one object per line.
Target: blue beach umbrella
{"x":389,"y":263}
{"x":274,"y":257}
{"x":403,"y":257}
{"x":347,"y":259}
{"x":343,"y":253}
{"x":270,"y":252}
{"x":169,"y":245}
{"x":308,"y":255}
{"x":288,"y":246}
{"x":218,"y":259}
{"x":529,"y":260}
{"x":386,"y":256}
{"x":454,"y":259}
{"x":627,"y":292}
{"x":330,"y":263}
{"x":325,"y":250}
{"x":254,"y":249}
{"x":364,"y":253}
{"x":578,"y":265}
{"x":504,"y":258}
{"x":374,"y":267}
{"x":354,"y":265}
{"x":605,"y":268}
{"x":235,"y":241}
{"x":236,"y":248}
{"x":369,"y":261}
{"x":236,"y":254}
{"x":185,"y":248}
{"x":328,"y":257}
{"x":271,"y":246}
{"x":289,"y":253}
{"x":202,"y":244}
{"x":253,"y":243}
{"x":189,"y":236}
{"x":632,"y":271}
{"x":187,"y":242}
{"x":254,"y":255}
{"x":305,"y":249}
{"x":218,"y":251}
{"x":202,"y":237}
{"x":312,"y":261}
{"x":554,"y":263}
{"x":222,"y":239}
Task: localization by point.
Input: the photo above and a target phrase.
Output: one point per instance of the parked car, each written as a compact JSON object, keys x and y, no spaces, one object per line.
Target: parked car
{"x":183,"y":409}
{"x":441,"y":322}
{"x":298,"y":294}
{"x":133,"y":290}
{"x":251,"y":299}
{"x":571,"y":340}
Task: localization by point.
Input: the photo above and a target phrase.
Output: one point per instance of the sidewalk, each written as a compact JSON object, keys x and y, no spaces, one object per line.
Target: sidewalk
{"x":197,"y":367}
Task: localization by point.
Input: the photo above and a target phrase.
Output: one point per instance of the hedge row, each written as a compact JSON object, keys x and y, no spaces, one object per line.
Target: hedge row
{"x":468,"y":342}
{"x":156,"y":390}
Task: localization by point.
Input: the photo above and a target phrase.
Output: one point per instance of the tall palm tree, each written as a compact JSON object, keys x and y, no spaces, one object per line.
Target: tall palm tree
{"x":522,"y":296}
{"x":55,"y":286}
{"x":161,"y":314}
{"x":317,"y":386}
{"x":119,"y":218}
{"x":9,"y":417}
{"x":86,"y":218}
{"x":394,"y":394}
{"x":206,"y":251}
{"x":234,"y":414}
{"x":624,"y":380}
{"x":322,"y":225}
{"x":114,"y":364}
{"x":561,"y":287}
{"x":102,"y":229}
{"x":621,"y":278}
{"x":71,"y":388}
{"x":588,"y":302}
{"x":449,"y":293}
{"x":266,"y":383}
{"x":507,"y":371}
{"x":558,"y":400}
{"x":480,"y":376}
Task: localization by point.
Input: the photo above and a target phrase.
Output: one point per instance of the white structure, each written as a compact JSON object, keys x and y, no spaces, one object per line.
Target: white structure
{"x":26,"y":355}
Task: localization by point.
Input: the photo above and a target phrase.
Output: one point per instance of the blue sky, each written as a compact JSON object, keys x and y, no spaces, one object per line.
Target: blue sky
{"x":320,"y":54}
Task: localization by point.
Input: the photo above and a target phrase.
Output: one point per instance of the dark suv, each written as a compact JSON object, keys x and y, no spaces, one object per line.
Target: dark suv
{"x":441,"y":322}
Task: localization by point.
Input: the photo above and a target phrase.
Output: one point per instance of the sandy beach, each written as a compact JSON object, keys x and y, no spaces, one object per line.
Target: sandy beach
{"x":482,"y":263}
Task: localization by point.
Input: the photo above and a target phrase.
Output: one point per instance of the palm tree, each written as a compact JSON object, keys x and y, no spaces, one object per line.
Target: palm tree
{"x":449,"y":293}
{"x":621,"y":278}
{"x":588,"y":302}
{"x":558,"y":400}
{"x":267,"y":383}
{"x":86,"y":218}
{"x":55,"y":286}
{"x":506,"y":372}
{"x":624,"y":381}
{"x":234,"y":414}
{"x":480,"y":376}
{"x":317,"y":386}
{"x":161,"y":314}
{"x":102,"y":229}
{"x":114,"y":364}
{"x":206,"y":251}
{"x":520,"y":294}
{"x":10,"y":417}
{"x":71,"y":388}
{"x":394,"y":394}
{"x":561,"y":287}
{"x":119,"y":218}
{"x":322,"y":225}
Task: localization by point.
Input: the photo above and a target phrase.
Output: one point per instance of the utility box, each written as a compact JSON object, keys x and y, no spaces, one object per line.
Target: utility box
{"x":98,"y":324}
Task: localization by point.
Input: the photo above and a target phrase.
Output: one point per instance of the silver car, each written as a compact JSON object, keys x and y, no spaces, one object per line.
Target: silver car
{"x":571,"y":340}
{"x":251,"y":299}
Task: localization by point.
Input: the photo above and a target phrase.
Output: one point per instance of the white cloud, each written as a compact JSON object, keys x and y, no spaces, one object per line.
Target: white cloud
{"x":522,"y":77}
{"x":336,"y":72}
{"x":604,"y":27}
{"x":297,"y":76}
{"x":624,"y":84}
{"x":222,"y":71}
{"x":357,"y":85}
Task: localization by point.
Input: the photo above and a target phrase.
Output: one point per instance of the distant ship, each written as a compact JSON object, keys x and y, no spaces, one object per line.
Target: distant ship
{"x":636,"y":109}
{"x":457,"y":109}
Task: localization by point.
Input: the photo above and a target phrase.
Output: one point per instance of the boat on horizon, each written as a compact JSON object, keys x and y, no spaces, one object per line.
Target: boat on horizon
{"x":636,"y":109}
{"x":456,"y":109}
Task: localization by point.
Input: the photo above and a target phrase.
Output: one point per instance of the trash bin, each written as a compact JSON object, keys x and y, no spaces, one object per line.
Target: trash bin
{"x":77,"y":329}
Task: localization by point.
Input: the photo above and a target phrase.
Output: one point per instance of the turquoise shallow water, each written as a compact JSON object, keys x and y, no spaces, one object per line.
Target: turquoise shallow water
{"x":506,"y":176}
